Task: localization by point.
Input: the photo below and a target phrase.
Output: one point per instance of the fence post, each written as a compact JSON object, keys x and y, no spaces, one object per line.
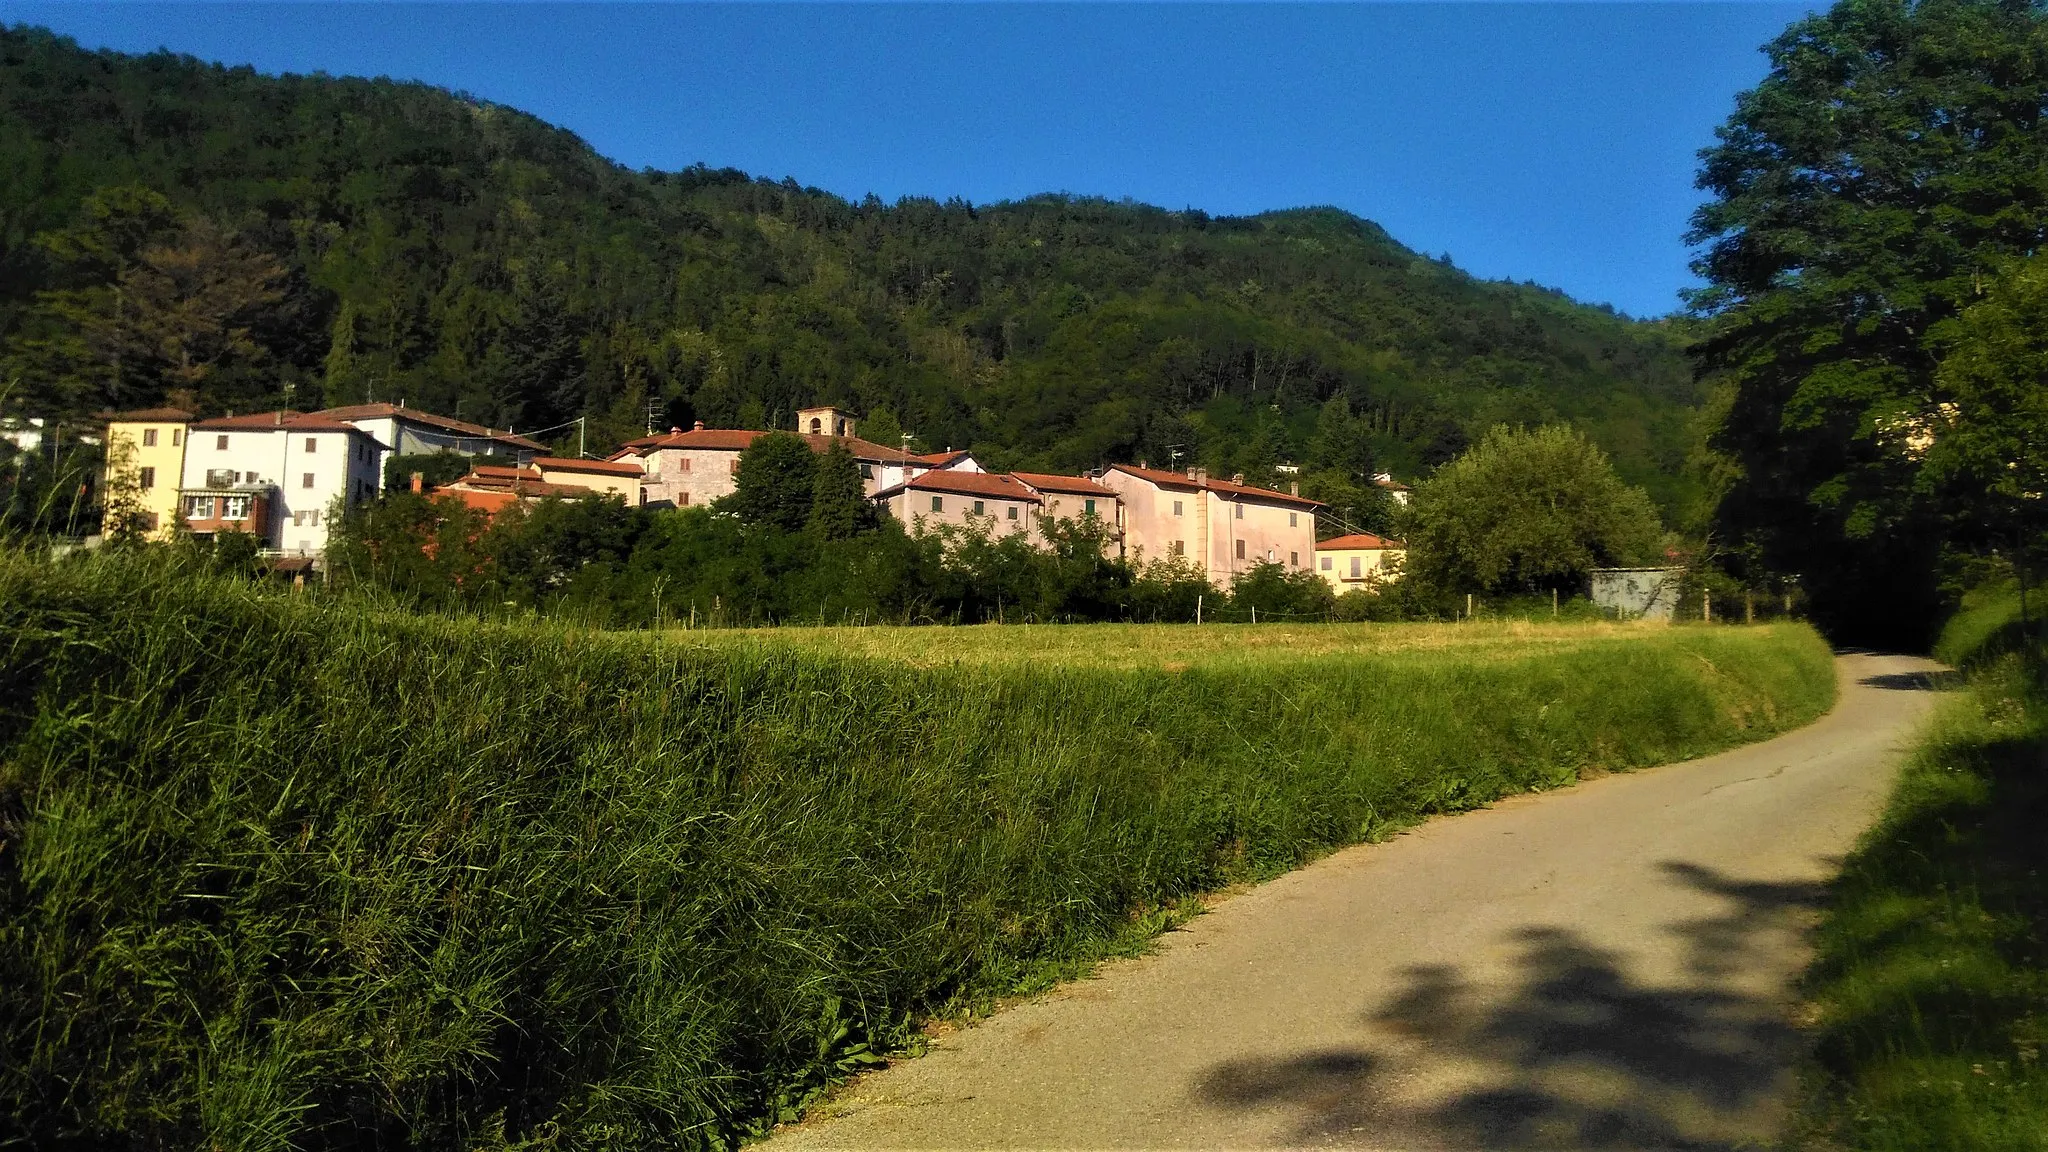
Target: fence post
{"x":1468,"y":606}
{"x":1553,"y":603}
{"x":1198,"y":607}
{"x":1706,"y":606}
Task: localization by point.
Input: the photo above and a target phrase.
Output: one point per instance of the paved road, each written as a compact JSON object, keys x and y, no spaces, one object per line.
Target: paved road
{"x":1606,"y":966}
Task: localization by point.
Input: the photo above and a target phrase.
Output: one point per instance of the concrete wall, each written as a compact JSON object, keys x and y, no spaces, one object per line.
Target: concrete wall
{"x":340,"y":465}
{"x":998,"y":516}
{"x":689,"y":477}
{"x":1374,"y":566}
{"x":1637,"y":592}
{"x":1154,"y":527}
{"x":626,"y":488}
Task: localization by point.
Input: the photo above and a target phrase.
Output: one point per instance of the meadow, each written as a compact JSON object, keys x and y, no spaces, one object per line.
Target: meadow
{"x":285,"y":871}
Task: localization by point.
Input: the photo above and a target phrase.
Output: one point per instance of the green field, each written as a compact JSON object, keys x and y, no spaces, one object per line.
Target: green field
{"x":288,"y":872}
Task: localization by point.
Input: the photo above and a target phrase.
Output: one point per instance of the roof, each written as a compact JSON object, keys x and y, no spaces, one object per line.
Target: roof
{"x":1076,"y":485}
{"x":941,"y":459}
{"x":1393,"y":485}
{"x":268,"y":421}
{"x":989,"y":484}
{"x":602,"y":467}
{"x":1363,"y":540}
{"x":738,"y":439}
{"x":148,"y":416}
{"x":1188,"y":483}
{"x":417,"y":416}
{"x":513,"y":482}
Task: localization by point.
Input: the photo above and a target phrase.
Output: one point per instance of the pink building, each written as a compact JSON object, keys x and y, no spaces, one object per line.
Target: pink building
{"x":696,"y":467}
{"x":928,"y":500}
{"x":1227,"y":526}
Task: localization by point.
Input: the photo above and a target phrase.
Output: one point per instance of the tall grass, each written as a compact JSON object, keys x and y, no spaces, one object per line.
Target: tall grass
{"x":1931,"y":982}
{"x":277,"y":873}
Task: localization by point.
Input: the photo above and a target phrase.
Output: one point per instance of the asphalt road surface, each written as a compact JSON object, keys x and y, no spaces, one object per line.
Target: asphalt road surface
{"x":1608,"y":966}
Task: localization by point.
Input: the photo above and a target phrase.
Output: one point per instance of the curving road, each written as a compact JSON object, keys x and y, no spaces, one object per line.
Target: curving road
{"x":1607,"y":966}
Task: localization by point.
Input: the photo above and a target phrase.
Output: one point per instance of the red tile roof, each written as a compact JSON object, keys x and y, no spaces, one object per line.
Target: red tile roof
{"x":941,"y":459}
{"x":1365,"y":540}
{"x":147,"y":415}
{"x":1075,"y":485}
{"x":1188,"y":483}
{"x":987,"y":484}
{"x":265,"y":421}
{"x":447,"y":423}
{"x":737,"y":440}
{"x":513,"y":482}
{"x":600,"y":467}
{"x":1393,"y":485}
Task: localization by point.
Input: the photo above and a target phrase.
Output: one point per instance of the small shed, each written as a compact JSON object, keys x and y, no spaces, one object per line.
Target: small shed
{"x":1633,"y":593}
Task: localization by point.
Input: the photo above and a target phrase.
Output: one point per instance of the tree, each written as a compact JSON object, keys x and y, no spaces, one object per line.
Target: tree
{"x":1525,"y":511}
{"x":839,"y":506}
{"x":1893,"y":157}
{"x":776,"y":483}
{"x":1988,"y":440}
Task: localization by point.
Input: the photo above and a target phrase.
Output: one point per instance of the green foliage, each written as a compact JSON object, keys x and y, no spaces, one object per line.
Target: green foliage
{"x":777,"y":483}
{"x":839,"y":506}
{"x":288,"y":871}
{"x":1893,"y":159}
{"x":1525,"y":511}
{"x":434,"y":468}
{"x":478,"y":262}
{"x":1273,"y":592}
{"x":1931,"y":982}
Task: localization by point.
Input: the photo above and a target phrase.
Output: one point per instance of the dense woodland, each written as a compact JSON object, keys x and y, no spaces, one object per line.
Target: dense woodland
{"x":172,"y":229}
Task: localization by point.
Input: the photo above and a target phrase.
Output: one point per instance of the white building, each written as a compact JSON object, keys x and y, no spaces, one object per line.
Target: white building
{"x":410,"y":432}
{"x":279,"y":476}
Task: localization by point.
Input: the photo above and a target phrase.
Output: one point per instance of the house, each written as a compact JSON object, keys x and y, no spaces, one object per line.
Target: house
{"x":276,"y":475}
{"x":1226,"y":526}
{"x":1078,"y":497}
{"x":696,"y":467}
{"x":411,"y":432}
{"x":1360,"y":560}
{"x":1002,"y":504}
{"x":491,"y":488}
{"x":1398,"y":492}
{"x":609,"y":477}
{"x":146,"y":466}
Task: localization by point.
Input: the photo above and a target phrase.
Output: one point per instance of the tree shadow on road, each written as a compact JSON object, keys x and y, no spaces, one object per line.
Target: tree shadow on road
{"x":1568,"y":1052}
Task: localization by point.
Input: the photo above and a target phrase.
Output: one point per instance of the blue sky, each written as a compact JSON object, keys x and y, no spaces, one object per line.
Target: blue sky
{"x":1545,"y":142}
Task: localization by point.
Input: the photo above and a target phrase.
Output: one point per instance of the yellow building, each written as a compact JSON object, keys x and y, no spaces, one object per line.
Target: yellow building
{"x":145,"y":465}
{"x":1361,"y":560}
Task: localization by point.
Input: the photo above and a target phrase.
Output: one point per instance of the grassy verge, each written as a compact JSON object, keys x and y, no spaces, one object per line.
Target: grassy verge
{"x":1931,"y":982}
{"x":287,"y":874}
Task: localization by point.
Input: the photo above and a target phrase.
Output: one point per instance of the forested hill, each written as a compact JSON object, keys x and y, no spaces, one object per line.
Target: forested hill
{"x":171,"y":229}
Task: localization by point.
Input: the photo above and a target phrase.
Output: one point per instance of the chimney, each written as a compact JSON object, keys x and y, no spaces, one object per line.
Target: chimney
{"x":419,"y":481}
{"x":1199,"y":475}
{"x":697,"y":427}
{"x":674,"y":431}
{"x":277,"y":417}
{"x":1237,"y":478}
{"x":1294,"y":487}
{"x":1141,"y":462}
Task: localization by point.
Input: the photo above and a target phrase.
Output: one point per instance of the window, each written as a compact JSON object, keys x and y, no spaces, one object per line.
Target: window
{"x":977,"y":508}
{"x":147,"y":479}
{"x":683,"y":465}
{"x":643,"y":495}
{"x":234,"y":508}
{"x":1291,"y":521}
{"x":1328,"y":563}
{"x":1356,"y":569}
{"x":312,"y":442}
{"x":198,"y":507}
{"x":1088,"y":508}
{"x":1238,"y":511}
{"x":735,"y":465}
{"x":867,"y":471}
{"x":817,"y":425}
{"x":938,"y":504}
{"x":220,"y":442}
{"x":1013,"y":511}
{"x":1180,"y":548}
{"x":149,"y":437}
{"x":1176,"y":507}
{"x":177,"y":434}
{"x":1240,"y":549}
{"x":1294,"y":559}
{"x":307,"y":482}
{"x":683,"y":500}
{"x":298,"y":519}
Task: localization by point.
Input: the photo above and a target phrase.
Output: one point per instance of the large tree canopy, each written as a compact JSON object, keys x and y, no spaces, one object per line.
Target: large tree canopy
{"x":1895,"y":155}
{"x":1525,"y":511}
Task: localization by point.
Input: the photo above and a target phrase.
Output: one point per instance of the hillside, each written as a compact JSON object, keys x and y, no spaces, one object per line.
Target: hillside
{"x":174,"y":225}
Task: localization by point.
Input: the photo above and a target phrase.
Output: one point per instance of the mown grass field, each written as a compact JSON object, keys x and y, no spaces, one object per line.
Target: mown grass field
{"x":1930,"y":990}
{"x":279,"y":872}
